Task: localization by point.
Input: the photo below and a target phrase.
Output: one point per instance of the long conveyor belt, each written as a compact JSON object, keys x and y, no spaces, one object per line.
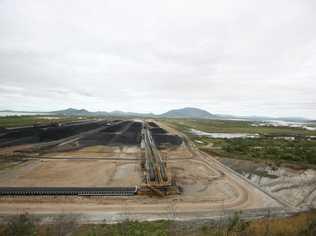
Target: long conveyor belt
{"x":79,"y":191}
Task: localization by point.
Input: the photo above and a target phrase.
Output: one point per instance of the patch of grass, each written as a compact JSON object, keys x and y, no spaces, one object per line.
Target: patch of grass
{"x":303,"y":224}
{"x":126,"y":228}
{"x":20,"y":225}
{"x":278,"y":151}
{"x":299,"y":151}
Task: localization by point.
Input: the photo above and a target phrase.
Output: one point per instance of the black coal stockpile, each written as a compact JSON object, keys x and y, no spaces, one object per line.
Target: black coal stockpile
{"x":158,"y":130}
{"x":54,"y":133}
{"x":153,"y":124}
{"x":125,"y":132}
{"x":2,"y":130}
{"x":162,"y":137}
{"x":45,"y":133}
{"x":166,"y":139}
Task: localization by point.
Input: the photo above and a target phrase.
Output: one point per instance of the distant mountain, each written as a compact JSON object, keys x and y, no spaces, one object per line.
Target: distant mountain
{"x":83,"y":112}
{"x":191,"y":112}
{"x":188,"y":112}
{"x":72,"y":112}
{"x":7,"y":111}
{"x":131,"y":114}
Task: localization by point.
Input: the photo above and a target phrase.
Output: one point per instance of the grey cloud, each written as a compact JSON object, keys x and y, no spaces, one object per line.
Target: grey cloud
{"x":246,"y":57}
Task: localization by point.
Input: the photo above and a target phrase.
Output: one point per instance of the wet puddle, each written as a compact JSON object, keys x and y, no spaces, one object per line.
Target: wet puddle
{"x":223,"y":135}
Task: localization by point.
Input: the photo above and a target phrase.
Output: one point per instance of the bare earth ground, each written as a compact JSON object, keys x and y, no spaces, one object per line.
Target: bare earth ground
{"x":208,"y":186}
{"x":85,"y":173}
{"x":100,"y":151}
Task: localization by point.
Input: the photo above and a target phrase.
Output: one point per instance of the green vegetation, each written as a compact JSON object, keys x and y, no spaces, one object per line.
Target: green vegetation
{"x":303,"y":224}
{"x":16,"y":121}
{"x":300,"y":150}
{"x":126,"y":228}
{"x":20,"y":225}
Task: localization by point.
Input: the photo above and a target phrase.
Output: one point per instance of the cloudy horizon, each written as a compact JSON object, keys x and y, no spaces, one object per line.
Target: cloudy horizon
{"x":246,"y":57}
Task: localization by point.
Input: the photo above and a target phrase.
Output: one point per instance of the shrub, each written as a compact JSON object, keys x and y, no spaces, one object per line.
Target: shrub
{"x":21,"y":225}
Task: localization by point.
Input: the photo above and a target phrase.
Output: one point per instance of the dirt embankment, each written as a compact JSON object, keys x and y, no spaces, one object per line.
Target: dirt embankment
{"x":296,"y":186}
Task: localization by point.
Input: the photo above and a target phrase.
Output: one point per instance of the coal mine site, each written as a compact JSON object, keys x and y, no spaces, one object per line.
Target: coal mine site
{"x":98,"y":166}
{"x":78,"y":137}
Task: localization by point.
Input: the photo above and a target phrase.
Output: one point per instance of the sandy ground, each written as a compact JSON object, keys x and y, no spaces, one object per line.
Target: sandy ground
{"x":178,"y":153}
{"x":208,"y":186}
{"x":101,"y":151}
{"x":119,"y":153}
{"x":85,"y":173}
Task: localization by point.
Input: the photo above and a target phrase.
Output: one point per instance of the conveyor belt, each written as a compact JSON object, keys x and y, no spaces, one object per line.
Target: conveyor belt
{"x":79,"y":191}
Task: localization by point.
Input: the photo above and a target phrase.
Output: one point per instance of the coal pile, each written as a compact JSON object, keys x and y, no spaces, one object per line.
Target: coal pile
{"x":115,"y":128}
{"x":2,"y":130}
{"x":158,"y":130}
{"x":162,"y":140}
{"x":45,"y":133}
{"x":55,"y":133}
{"x":153,"y":124}
{"x":124,"y":133}
{"x":161,"y":136}
{"x":20,"y":136}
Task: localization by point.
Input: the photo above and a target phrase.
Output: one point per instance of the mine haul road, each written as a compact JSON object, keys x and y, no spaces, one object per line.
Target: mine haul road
{"x":226,"y":192}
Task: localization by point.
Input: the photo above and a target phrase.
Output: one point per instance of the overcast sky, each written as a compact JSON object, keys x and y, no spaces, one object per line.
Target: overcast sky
{"x":245,"y":57}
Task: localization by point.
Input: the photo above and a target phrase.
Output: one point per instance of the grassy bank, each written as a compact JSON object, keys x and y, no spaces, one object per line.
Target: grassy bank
{"x":303,"y":224}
